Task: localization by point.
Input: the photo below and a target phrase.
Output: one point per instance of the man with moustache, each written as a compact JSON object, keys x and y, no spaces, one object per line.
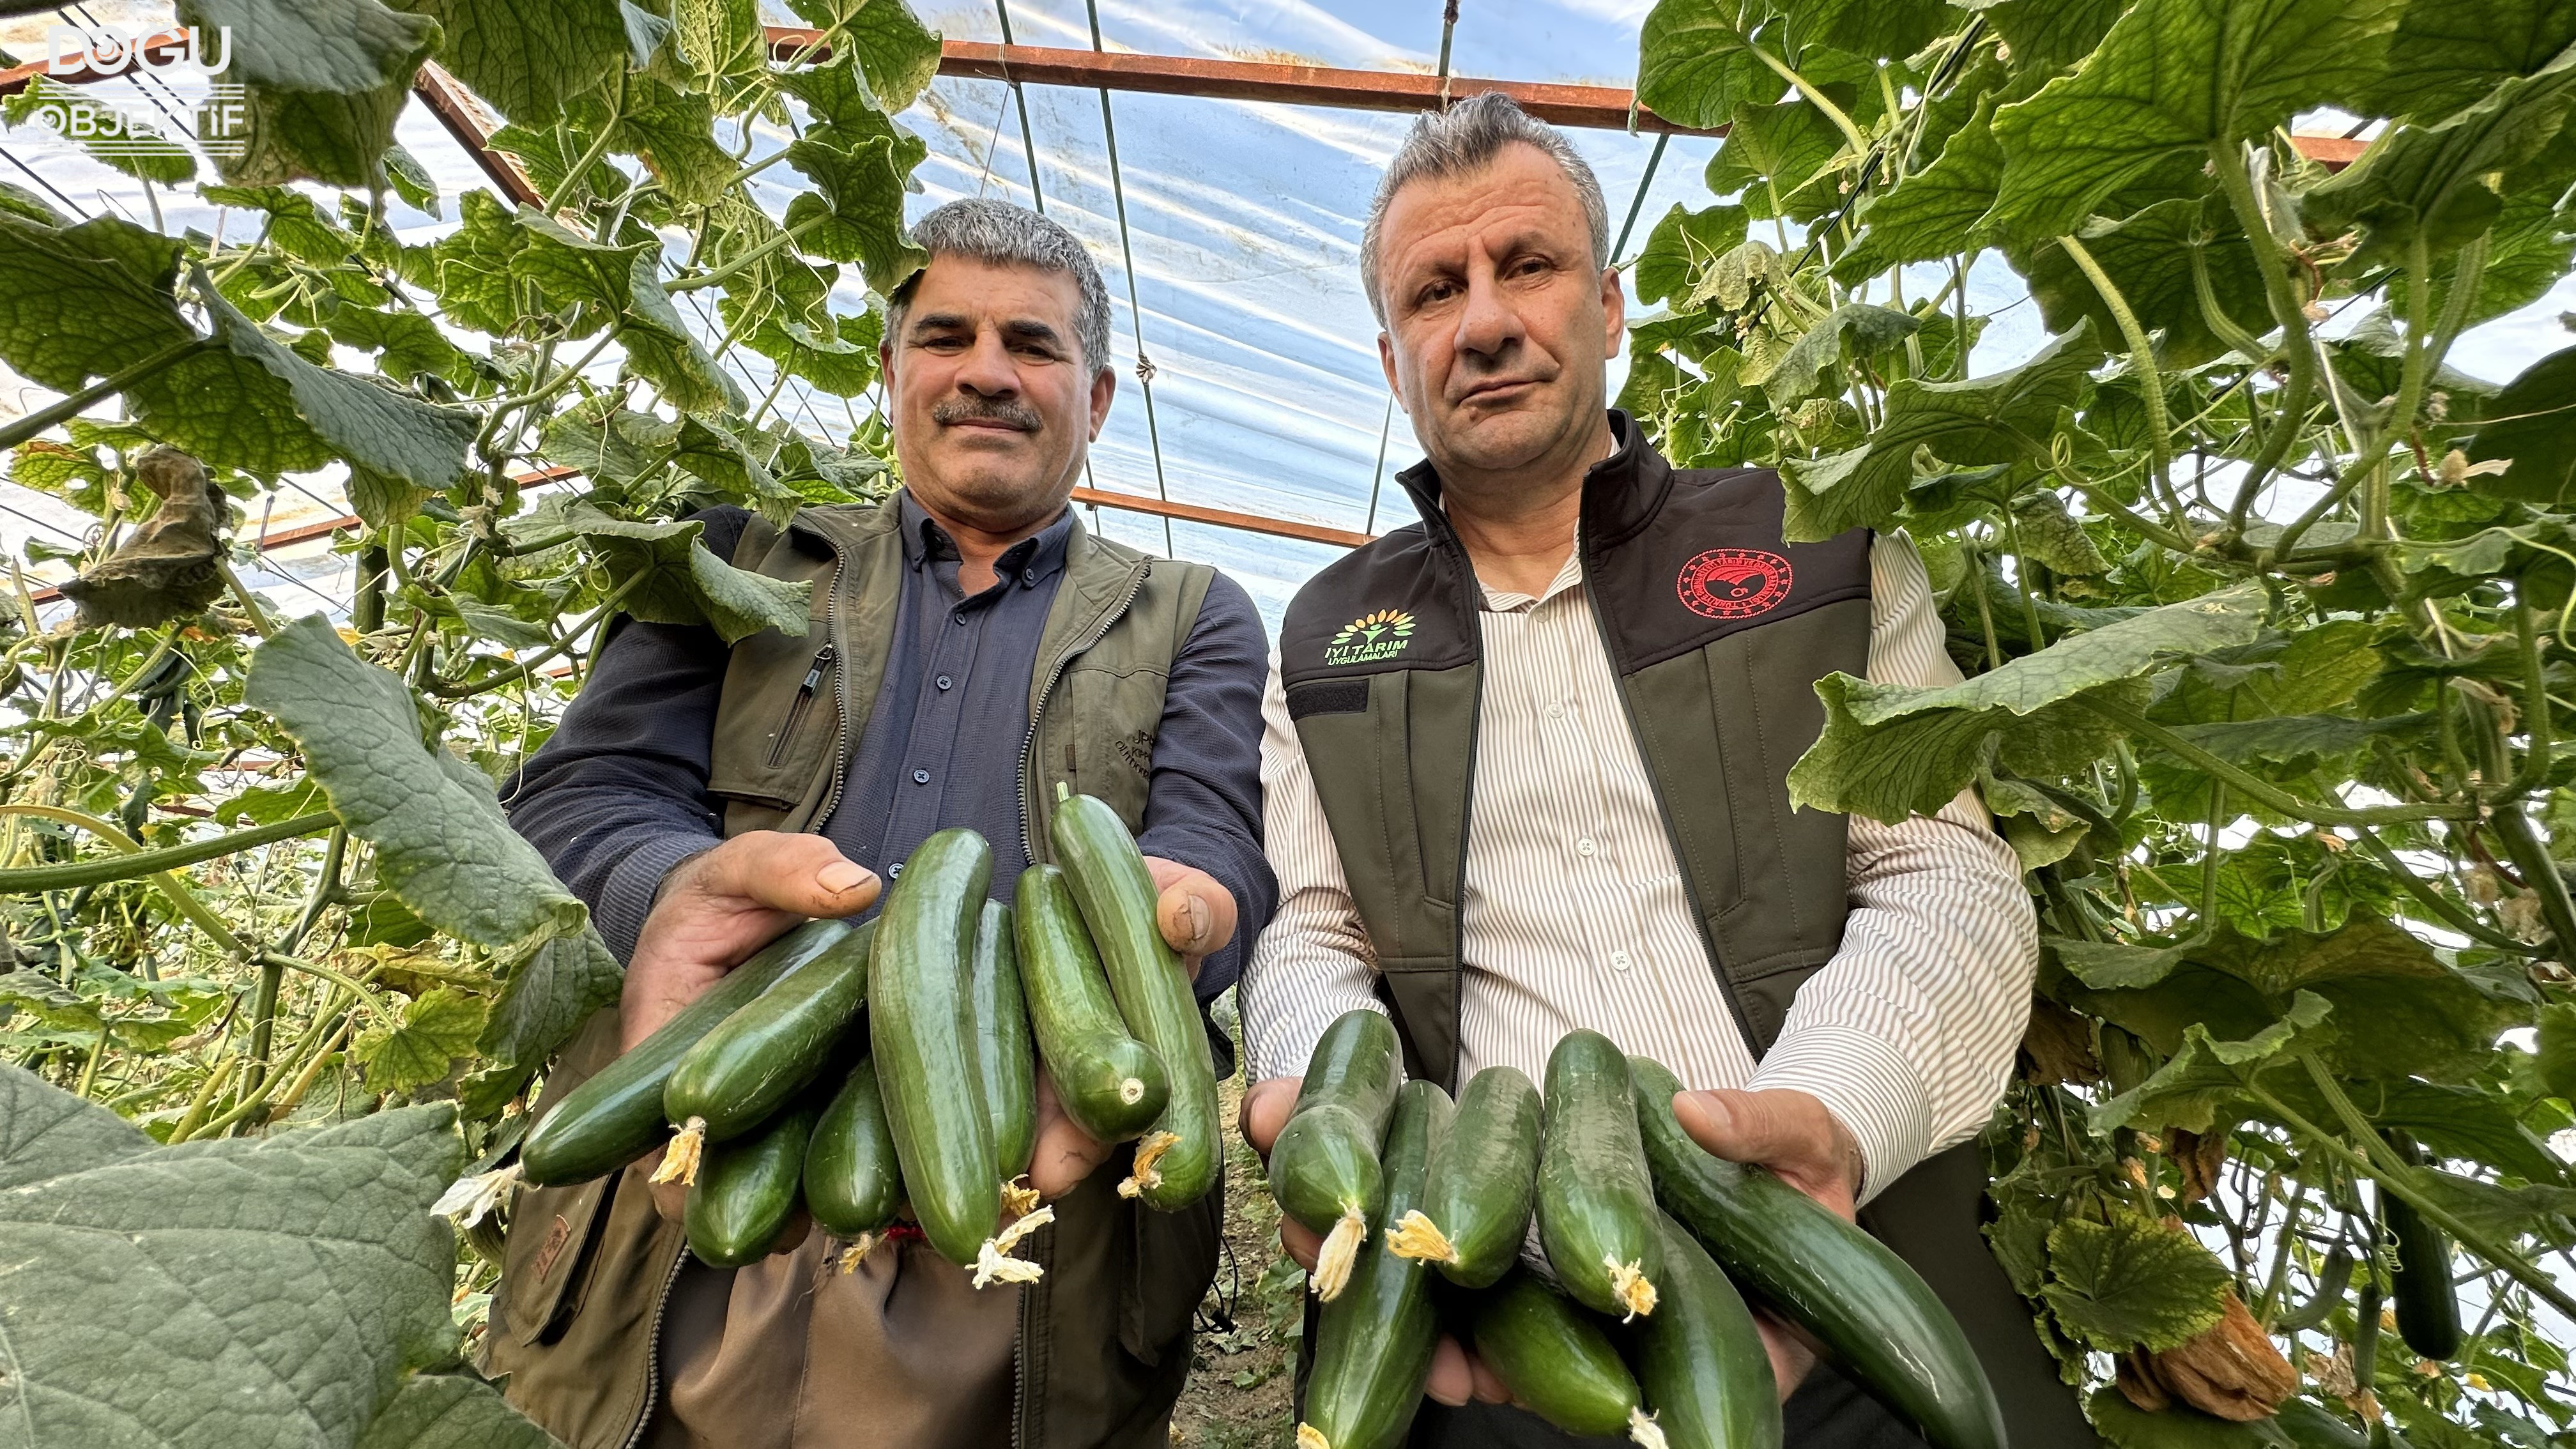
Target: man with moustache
{"x":970,"y":647}
{"x":1525,"y":772}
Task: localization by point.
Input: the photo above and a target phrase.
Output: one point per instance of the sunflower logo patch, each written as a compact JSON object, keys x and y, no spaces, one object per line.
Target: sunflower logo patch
{"x":1370,"y":638}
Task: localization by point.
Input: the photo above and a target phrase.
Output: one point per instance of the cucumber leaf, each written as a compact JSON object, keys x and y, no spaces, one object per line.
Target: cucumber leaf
{"x":1889,"y":751}
{"x":256,"y":1293}
{"x":2172,"y":78}
{"x":2132,"y":1283}
{"x":442,"y":844}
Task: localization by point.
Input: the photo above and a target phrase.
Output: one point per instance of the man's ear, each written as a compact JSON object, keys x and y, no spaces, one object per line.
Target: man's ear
{"x":1104,"y":388}
{"x":1386,"y":360}
{"x":1614,"y":313}
{"x":885,"y":359}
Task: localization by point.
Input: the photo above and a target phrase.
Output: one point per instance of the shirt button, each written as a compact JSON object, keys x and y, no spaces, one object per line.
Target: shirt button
{"x":960,"y":618}
{"x":1583,"y":846}
{"x":1619,"y":960}
{"x":895,"y":871}
{"x":1556,"y":711}
{"x":944,"y":681}
{"x":921,"y":777}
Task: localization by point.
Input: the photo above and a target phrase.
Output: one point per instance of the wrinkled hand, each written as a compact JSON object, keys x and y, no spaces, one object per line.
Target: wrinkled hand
{"x":1456,"y":1374}
{"x":1802,"y":1143}
{"x":719,"y":907}
{"x":1196,"y":914}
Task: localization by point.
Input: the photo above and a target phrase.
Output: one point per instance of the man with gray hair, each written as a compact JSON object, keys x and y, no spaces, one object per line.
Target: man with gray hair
{"x":1613,"y":661}
{"x":970,"y":649}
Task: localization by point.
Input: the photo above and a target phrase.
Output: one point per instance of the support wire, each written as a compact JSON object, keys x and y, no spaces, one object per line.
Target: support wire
{"x":1135,"y":309}
{"x":1653,"y":160}
{"x":1383,"y":430}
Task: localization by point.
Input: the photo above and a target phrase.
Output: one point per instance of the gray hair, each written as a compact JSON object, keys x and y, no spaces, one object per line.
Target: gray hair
{"x":1463,"y":140}
{"x":1004,"y":235}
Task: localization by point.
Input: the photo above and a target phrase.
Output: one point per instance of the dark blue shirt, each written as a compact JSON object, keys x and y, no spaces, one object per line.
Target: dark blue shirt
{"x":954,"y":703}
{"x":618,"y":795}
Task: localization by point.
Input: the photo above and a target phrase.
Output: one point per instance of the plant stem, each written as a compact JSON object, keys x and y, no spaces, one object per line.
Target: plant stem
{"x":2142,"y":356}
{"x":710,"y":278}
{"x":525,"y":668}
{"x":2452,"y":915}
{"x":42,"y":418}
{"x":195,"y":1117}
{"x":1815,"y":97}
{"x":2262,"y":792}
{"x":259,"y":620}
{"x":137,"y":861}
{"x":2400,"y":1180}
{"x":375,"y":1004}
{"x":598,"y":148}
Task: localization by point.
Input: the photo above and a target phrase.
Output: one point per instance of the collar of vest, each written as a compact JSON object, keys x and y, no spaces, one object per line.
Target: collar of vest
{"x":841,"y":526}
{"x":1621,"y":494}
{"x":1675,"y":560}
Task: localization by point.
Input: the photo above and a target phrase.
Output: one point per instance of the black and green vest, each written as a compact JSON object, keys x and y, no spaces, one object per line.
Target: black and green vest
{"x":1718,"y":631}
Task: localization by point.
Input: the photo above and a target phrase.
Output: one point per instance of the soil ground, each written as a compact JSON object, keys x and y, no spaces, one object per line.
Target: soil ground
{"x":1246,"y":1355}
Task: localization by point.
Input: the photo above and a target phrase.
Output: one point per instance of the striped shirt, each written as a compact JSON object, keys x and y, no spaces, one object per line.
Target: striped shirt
{"x":1576,"y":915}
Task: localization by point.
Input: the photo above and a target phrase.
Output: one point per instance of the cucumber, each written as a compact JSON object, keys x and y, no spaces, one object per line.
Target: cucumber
{"x":1373,"y":1341}
{"x":1557,"y":1361}
{"x":1004,"y":1064}
{"x":852,"y":1185}
{"x":1596,"y":1204}
{"x":743,"y":1199}
{"x":1323,"y":1167}
{"x":1475,"y":1212}
{"x":1875,"y":1316}
{"x":738,"y":1075}
{"x":1109,"y":1083}
{"x":924,"y":1043}
{"x":1700,"y":1362}
{"x":2428,"y":1307}
{"x":1177,"y":1161}
{"x":616,"y":1116}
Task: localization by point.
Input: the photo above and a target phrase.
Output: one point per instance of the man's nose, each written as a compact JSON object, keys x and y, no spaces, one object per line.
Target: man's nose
{"x":1489,"y":325}
{"x":986,"y":369}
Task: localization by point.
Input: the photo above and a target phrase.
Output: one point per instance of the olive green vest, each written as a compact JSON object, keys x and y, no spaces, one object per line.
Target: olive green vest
{"x":787,"y":723}
{"x":1718,"y":631}
{"x":1104,"y":1336}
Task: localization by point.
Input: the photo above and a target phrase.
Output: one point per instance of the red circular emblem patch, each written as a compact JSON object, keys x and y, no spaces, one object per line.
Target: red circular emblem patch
{"x":1734,"y":583}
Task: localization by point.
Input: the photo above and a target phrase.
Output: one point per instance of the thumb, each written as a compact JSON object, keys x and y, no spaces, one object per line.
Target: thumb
{"x":1265,"y":1110}
{"x":805,"y":874}
{"x":1738,"y":1126}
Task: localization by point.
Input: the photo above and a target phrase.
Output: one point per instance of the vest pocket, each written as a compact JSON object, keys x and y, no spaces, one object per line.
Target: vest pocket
{"x":547,"y":1255}
{"x":775,"y":720}
{"x":816,"y":677}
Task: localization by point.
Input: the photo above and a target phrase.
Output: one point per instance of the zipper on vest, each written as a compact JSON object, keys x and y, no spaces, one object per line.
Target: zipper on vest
{"x":804,"y":698}
{"x":840,"y":696}
{"x":1690,"y":887}
{"x":1037,"y":710}
{"x":653,"y":1351}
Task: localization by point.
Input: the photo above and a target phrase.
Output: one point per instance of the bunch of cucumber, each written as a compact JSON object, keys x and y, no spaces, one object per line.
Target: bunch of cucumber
{"x":859,"y":1072}
{"x":1635,"y":1317}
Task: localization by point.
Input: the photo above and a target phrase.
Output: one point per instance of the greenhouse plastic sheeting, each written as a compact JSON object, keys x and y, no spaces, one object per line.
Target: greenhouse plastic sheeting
{"x":1243,"y":220}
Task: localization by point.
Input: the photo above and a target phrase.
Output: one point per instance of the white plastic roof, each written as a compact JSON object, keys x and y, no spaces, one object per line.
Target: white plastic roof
{"x":1243,"y":219}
